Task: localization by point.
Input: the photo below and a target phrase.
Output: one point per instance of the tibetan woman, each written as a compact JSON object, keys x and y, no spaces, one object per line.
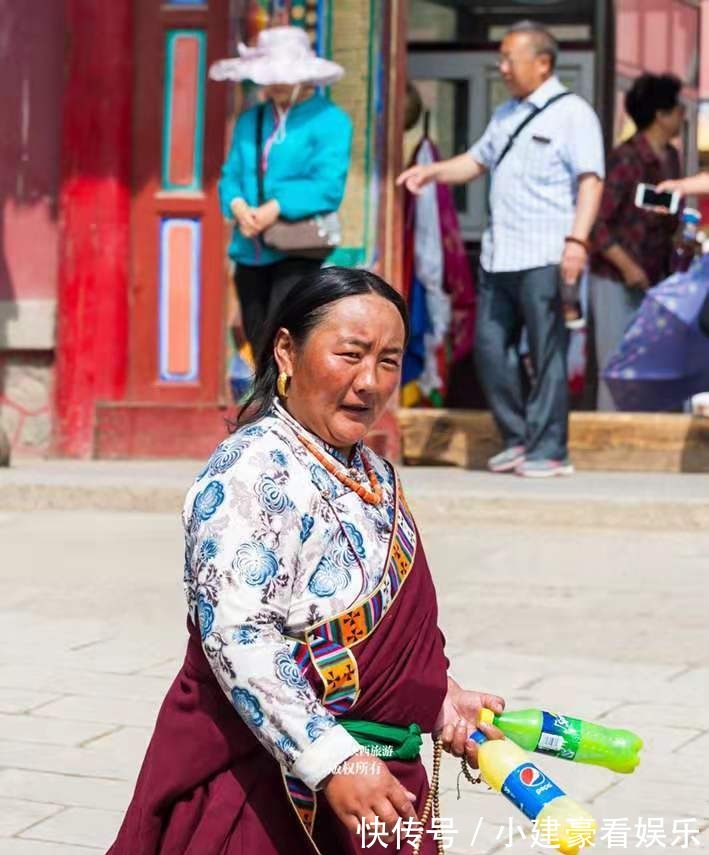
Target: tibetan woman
{"x":314,"y":661}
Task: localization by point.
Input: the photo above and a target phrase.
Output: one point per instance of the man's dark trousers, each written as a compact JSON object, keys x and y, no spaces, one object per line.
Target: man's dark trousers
{"x":508,"y":302}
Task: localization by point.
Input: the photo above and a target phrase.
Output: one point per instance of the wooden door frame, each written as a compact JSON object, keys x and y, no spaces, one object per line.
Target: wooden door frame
{"x":151,"y":203}
{"x":392,"y":210}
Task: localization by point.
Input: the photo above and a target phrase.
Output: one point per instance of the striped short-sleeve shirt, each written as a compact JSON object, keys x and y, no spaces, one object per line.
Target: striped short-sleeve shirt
{"x":533,"y":191}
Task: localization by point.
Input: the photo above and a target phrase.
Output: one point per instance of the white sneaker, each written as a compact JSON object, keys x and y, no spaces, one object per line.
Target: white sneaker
{"x":544,"y":468}
{"x":507,"y":460}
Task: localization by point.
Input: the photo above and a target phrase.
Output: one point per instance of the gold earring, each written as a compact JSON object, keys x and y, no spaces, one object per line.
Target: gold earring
{"x":282,"y":385}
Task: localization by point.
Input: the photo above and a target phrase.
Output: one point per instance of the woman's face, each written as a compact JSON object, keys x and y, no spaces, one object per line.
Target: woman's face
{"x":282,"y":94}
{"x":346,"y":370}
{"x":671,"y":120}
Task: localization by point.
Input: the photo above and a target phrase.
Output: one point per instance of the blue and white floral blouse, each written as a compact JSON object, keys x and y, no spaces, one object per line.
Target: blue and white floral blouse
{"x":275,"y":544}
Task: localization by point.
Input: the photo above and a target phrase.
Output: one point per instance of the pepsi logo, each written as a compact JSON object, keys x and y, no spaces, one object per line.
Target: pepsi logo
{"x":530,"y":776}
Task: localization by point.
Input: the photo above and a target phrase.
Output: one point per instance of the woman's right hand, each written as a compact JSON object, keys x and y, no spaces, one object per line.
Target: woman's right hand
{"x":635,"y":277}
{"x":246,"y":218}
{"x":690,"y":185}
{"x":671,"y":185}
{"x":365,"y":790}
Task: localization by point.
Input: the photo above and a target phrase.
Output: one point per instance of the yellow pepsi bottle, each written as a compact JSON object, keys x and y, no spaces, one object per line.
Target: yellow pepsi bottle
{"x":561,"y":822}
{"x":572,"y":738}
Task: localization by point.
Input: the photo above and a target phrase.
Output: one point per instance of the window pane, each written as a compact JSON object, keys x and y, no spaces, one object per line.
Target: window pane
{"x":470,"y":23}
{"x":431,"y":22}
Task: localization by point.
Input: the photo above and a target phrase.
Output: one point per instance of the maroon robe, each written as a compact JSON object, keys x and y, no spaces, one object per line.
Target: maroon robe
{"x":208,"y":787}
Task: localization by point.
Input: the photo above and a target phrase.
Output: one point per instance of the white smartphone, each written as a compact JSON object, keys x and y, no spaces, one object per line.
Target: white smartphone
{"x":646,"y":196}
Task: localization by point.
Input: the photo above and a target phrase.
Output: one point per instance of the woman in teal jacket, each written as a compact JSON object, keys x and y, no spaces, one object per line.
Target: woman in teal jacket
{"x":305,"y":140}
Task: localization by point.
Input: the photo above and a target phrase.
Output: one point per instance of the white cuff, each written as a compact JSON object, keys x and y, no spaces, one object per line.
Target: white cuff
{"x":324,"y":755}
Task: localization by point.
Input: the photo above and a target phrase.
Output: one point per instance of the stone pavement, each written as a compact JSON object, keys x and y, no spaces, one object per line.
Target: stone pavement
{"x":607,"y":623}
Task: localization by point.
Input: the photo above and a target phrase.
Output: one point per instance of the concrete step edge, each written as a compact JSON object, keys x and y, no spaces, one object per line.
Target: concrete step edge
{"x":429,"y":507}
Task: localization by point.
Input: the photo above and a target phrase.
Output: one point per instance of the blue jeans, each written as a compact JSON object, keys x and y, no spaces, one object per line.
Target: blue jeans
{"x":537,"y":416}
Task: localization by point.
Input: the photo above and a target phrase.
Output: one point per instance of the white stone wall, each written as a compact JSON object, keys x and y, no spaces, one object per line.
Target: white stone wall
{"x":25,"y":401}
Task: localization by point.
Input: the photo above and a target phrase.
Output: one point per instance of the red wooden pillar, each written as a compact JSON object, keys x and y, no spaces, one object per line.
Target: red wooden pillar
{"x":94,"y":209}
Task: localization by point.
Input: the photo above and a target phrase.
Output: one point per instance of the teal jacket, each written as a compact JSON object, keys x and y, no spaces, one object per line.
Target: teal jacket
{"x":306,"y":172}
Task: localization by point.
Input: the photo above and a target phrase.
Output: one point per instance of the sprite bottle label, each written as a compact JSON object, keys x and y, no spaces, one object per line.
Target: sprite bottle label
{"x":560,"y":736}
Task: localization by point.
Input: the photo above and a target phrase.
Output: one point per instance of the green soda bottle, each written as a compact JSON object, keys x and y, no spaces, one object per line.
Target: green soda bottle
{"x":572,"y":739}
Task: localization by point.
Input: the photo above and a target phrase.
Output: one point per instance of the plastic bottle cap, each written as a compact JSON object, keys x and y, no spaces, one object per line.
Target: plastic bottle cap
{"x":487,"y":716}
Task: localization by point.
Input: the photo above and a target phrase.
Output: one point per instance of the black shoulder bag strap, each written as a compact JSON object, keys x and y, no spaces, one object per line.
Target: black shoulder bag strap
{"x":260,"y":113}
{"x":523,"y":124}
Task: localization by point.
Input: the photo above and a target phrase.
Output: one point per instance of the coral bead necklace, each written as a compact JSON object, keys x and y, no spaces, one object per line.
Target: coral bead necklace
{"x":371,"y":497}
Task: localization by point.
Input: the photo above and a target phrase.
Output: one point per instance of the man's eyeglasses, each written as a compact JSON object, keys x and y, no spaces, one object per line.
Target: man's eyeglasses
{"x":511,"y":61}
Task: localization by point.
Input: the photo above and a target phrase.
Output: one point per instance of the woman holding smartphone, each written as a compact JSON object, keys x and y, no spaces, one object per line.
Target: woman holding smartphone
{"x":632,"y":245}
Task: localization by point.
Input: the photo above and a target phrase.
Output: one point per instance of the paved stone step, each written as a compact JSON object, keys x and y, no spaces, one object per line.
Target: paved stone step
{"x":652,"y":500}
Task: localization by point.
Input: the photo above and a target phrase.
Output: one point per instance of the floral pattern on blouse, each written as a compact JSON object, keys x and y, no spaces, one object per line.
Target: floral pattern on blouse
{"x":273,"y":545}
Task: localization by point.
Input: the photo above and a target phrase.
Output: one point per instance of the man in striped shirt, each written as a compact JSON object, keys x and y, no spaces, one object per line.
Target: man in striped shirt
{"x":543,"y":150}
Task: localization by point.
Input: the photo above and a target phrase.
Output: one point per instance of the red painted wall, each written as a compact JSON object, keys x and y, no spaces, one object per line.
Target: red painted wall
{"x":94,"y":215}
{"x":704,"y":51}
{"x":31,"y":72}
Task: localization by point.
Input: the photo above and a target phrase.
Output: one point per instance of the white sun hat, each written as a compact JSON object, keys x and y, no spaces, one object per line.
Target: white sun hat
{"x":282,"y":55}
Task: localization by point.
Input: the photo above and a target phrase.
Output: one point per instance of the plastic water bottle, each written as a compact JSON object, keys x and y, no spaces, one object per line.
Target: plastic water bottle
{"x":686,"y":244}
{"x":572,"y":738}
{"x":562,"y":822}
{"x":240,"y":376}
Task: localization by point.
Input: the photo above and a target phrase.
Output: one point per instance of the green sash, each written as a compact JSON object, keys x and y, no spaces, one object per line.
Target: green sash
{"x":386,"y":740}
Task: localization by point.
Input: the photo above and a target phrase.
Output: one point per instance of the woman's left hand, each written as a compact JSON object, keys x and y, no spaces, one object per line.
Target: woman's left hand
{"x":267,"y":214}
{"x":459,"y":717}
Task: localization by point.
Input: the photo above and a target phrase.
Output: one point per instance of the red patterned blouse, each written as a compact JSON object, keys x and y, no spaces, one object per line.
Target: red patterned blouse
{"x":645,"y":235}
